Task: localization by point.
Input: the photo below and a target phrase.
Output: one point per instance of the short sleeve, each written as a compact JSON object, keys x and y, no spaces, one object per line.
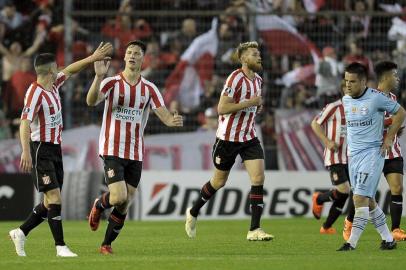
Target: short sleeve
{"x":156,"y":98}
{"x":230,"y":87}
{"x":32,"y":103}
{"x":325,"y":114}
{"x":60,"y":80}
{"x":387,"y":104}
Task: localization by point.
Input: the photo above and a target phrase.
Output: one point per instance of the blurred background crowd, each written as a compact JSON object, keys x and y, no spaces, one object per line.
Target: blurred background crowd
{"x":338,"y":31}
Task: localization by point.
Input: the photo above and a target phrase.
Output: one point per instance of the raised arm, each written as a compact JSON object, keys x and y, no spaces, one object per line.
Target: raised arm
{"x":100,"y":53}
{"x":94,"y":96}
{"x":227,"y":105}
{"x":39,"y":39}
{"x":169,"y":119}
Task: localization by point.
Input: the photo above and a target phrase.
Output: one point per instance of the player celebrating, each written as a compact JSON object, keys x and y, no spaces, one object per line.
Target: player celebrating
{"x":239,"y":103}
{"x":40,"y":134}
{"x":364,"y":110}
{"x":388,"y":81}
{"x":330,"y":127}
{"x":128,"y":97}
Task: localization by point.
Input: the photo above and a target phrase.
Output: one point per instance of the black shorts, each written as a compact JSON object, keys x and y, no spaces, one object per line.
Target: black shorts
{"x":394,"y":165}
{"x":225,"y":152}
{"x":339,"y":174}
{"x":47,"y":166}
{"x":119,"y":169}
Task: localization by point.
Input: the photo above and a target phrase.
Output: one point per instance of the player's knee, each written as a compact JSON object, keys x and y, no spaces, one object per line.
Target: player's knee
{"x":344,"y":188}
{"x":218,"y":183}
{"x":340,"y":200}
{"x":257,"y":180}
{"x":117,"y":199}
{"x":396,"y":189}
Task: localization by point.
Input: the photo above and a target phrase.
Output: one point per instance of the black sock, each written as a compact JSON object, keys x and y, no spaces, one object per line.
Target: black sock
{"x":206,"y":193}
{"x":116,"y":223}
{"x":325,"y":197}
{"x":351,"y":208}
{"x":396,"y":208}
{"x":336,"y":208}
{"x":257,"y":205}
{"x":104,"y":201}
{"x":55,"y":223}
{"x":36,"y":217}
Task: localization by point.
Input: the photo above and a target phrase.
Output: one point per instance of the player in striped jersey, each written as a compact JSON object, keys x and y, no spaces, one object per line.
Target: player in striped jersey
{"x":40,"y":135}
{"x":240,"y":101}
{"x":330,"y":127}
{"x":128,"y":97}
{"x":388,"y":81}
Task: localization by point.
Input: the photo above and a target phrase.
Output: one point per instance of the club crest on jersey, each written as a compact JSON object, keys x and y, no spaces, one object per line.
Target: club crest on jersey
{"x":143,"y":99}
{"x":364,"y":110}
{"x":354,"y":110}
{"x":110,"y":173}
{"x":46,"y":179}
{"x":218,"y":160}
{"x":26,"y":110}
{"x":335,"y":177}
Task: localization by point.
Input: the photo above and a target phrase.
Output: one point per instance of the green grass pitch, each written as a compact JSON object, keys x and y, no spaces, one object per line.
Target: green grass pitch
{"x":219,"y":245}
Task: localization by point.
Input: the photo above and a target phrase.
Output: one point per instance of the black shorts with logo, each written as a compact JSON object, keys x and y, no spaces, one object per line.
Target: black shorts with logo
{"x":394,"y":165}
{"x":225,"y":152}
{"x":339,"y":174}
{"x":119,"y":169}
{"x":47,"y":166}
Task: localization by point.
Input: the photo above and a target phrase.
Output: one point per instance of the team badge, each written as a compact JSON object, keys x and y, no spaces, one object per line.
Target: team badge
{"x":335,"y":177}
{"x":121,"y":95}
{"x":218,"y":160}
{"x":142,"y":99}
{"x":110,"y":173}
{"x":364,"y":110}
{"x":354,"y":110}
{"x":46,"y":179}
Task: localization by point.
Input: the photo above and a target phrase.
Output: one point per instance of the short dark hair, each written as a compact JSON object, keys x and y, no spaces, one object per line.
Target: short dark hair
{"x":382,"y":67}
{"x":138,"y":43}
{"x":357,"y":68}
{"x":43,"y":59}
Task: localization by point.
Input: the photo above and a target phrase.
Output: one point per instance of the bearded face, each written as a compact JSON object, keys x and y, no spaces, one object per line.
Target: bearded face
{"x":252,"y":58}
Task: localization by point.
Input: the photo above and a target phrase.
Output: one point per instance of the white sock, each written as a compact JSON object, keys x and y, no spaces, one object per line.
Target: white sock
{"x":358,"y":225}
{"x":378,"y":218}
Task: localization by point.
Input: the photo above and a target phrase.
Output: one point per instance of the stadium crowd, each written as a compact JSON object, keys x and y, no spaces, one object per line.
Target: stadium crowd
{"x":28,"y":27}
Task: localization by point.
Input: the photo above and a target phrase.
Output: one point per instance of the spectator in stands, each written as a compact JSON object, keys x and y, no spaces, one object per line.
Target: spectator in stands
{"x":209,"y":121}
{"x":10,"y":16}
{"x":224,"y":58}
{"x":359,"y":24}
{"x":356,"y":54}
{"x":122,"y":29}
{"x":5,"y":132}
{"x":328,"y":73}
{"x":187,"y":33}
{"x":269,"y":138}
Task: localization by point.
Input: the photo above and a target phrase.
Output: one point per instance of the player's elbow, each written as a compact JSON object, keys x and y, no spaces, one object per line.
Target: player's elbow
{"x":314,"y":125}
{"x":221,"y":109}
{"x":91,"y":102}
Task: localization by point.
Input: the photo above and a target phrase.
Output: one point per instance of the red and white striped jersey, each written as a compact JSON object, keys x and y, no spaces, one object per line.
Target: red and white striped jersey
{"x":239,"y":126}
{"x":395,"y":151}
{"x":126,"y":112}
{"x":332,"y":117}
{"x":43,"y":108}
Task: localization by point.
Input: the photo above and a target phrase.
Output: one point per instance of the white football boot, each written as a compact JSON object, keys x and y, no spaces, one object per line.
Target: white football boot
{"x":64,"y":251}
{"x":190,"y":225}
{"x":18,"y":238}
{"x":259,"y":235}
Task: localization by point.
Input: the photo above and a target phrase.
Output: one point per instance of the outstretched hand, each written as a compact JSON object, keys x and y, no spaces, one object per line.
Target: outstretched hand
{"x":101,"y":67}
{"x":104,"y":50}
{"x":177,"y":120}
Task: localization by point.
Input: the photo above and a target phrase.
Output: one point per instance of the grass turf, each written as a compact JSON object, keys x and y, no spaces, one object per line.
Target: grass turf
{"x":219,"y":245}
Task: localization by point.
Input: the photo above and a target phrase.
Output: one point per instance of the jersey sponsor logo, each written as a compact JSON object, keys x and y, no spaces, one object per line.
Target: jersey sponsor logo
{"x":55,"y":120}
{"x":110,"y":173}
{"x":127,"y":114}
{"x":46,"y":179}
{"x":359,"y":123}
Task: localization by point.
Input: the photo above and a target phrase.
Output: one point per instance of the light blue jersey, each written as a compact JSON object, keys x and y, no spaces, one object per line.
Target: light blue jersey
{"x":364,"y":116}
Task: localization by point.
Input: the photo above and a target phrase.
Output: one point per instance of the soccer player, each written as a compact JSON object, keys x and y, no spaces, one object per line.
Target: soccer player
{"x":239,"y":102}
{"x":128,"y":97}
{"x":40,"y":135}
{"x":331,"y":128}
{"x":364,"y":110}
{"x":388,"y":81}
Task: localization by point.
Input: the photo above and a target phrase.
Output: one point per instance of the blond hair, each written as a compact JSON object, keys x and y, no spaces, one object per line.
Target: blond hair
{"x":244,"y":46}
